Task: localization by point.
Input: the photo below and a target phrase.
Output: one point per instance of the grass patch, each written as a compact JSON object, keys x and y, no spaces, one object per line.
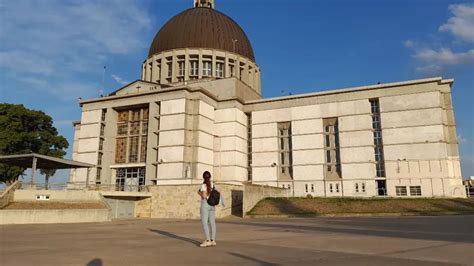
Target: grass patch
{"x":328,"y":206}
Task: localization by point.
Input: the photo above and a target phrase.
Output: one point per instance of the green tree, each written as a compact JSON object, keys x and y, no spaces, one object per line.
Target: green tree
{"x":27,"y":131}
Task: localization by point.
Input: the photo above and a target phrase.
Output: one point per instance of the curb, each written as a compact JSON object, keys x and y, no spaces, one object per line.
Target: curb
{"x":257,"y":216}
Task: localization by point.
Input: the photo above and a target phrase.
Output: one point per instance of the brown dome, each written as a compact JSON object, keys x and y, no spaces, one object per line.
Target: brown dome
{"x":202,"y":28}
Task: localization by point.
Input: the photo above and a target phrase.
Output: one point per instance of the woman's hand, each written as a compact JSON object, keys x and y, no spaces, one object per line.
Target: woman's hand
{"x":200,"y":193}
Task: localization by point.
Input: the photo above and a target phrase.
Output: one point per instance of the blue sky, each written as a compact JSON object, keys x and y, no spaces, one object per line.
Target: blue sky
{"x":53,"y":51}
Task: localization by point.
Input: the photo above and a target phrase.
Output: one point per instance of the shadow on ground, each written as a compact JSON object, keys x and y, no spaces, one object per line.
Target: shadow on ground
{"x":174,"y":236}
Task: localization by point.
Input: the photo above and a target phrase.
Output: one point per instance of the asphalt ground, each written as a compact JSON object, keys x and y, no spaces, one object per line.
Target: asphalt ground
{"x":440,"y":240}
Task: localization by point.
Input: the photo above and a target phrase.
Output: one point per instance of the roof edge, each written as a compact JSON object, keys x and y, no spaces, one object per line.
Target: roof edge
{"x":439,"y":80}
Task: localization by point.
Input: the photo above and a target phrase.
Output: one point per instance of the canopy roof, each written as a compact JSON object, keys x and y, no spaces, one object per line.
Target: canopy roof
{"x":42,"y":161}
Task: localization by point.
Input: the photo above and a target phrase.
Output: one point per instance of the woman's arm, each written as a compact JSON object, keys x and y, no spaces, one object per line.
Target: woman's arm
{"x":202,"y":194}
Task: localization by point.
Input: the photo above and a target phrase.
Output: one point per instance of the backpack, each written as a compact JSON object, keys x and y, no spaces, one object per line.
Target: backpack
{"x":214,"y":197}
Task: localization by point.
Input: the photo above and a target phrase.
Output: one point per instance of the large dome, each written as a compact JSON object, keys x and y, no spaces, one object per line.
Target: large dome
{"x":202,"y":28}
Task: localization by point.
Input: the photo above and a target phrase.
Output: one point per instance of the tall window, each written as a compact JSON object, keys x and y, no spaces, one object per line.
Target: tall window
{"x":207,"y":68}
{"x":378,"y":142}
{"x":170,"y":69}
{"x":220,"y":70}
{"x":285,"y":150}
{"x":249,"y":146}
{"x":194,"y":68}
{"x":331,"y":148}
{"x":132,"y":131}
{"x":181,"y":68}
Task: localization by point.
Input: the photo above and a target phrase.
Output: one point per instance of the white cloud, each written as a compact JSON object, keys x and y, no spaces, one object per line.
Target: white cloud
{"x":462,"y":139}
{"x":409,"y":43}
{"x":461,"y":25}
{"x":434,"y":61}
{"x":59,"y":46}
{"x":445,"y":56}
{"x":119,"y":80}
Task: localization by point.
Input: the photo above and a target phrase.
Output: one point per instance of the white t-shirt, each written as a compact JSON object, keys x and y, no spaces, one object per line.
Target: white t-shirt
{"x":204,"y":187}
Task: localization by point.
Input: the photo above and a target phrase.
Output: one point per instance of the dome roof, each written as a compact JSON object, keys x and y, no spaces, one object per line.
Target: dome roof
{"x":202,"y":28}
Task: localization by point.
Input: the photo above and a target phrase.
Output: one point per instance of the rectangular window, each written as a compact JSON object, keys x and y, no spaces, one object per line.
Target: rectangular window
{"x":378,"y":141}
{"x":194,"y":68}
{"x":232,"y":70}
{"x":101,"y":144}
{"x":330,"y":188}
{"x":219,"y":70}
{"x":357,"y":187}
{"x":306,"y":186}
{"x":170,"y":69}
{"x":415,"y":191}
{"x":181,"y":68}
{"x":130,"y":179}
{"x":98,"y":174}
{"x":337,"y":188}
{"x":312,"y":187}
{"x":332,"y":151}
{"x":363,"y":187}
{"x":206,"y":68}
{"x":104,"y":112}
{"x":102,"y":129}
{"x":99,"y":158}
{"x":286,"y":151}
{"x":132,"y":132}
{"x":249,"y":146}
{"x":401,"y":191}
{"x":121,"y":150}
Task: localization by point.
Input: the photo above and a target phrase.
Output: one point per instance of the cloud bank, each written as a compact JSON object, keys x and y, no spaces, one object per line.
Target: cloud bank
{"x":55,"y":46}
{"x":433,"y":61}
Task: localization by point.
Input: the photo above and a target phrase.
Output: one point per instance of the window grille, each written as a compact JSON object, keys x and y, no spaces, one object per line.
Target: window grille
{"x":286,"y":151}
{"x":332,"y":151}
{"x":132,"y":132}
{"x":378,"y":141}
{"x":415,"y":191}
{"x":401,"y":191}
{"x":194,"y":68}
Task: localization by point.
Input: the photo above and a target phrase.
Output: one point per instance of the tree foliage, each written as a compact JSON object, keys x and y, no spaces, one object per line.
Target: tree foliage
{"x":27,"y":131}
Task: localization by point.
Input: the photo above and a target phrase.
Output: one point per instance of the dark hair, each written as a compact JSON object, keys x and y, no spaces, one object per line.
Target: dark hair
{"x":207,"y":180}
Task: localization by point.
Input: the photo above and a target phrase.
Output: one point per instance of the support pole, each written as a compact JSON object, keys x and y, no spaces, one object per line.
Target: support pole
{"x":33,"y":172}
{"x":87,"y":177}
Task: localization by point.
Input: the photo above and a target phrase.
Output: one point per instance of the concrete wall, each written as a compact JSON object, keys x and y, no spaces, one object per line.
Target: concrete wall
{"x":418,"y":131}
{"x":183,"y":202}
{"x":58,"y":195}
{"x":255,"y":193}
{"x":54,"y":216}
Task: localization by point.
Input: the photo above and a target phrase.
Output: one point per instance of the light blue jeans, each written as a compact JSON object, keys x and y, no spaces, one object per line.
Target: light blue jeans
{"x":208,"y":217}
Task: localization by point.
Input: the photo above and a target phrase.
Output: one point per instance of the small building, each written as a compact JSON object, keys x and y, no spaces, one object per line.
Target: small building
{"x":198,"y":107}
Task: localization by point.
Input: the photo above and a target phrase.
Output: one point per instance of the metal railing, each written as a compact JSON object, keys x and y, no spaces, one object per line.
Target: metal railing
{"x":470,"y":191}
{"x":84,"y":186}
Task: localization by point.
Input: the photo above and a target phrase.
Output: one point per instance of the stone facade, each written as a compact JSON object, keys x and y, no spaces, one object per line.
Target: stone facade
{"x":395,"y":139}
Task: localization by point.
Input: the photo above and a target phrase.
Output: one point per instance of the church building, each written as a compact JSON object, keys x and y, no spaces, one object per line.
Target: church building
{"x":198,"y":107}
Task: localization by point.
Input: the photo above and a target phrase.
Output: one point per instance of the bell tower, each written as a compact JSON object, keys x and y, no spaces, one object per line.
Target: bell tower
{"x":204,"y":3}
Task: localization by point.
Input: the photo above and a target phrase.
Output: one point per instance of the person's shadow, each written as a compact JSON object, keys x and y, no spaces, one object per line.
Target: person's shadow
{"x":171,"y":235}
{"x":94,"y":262}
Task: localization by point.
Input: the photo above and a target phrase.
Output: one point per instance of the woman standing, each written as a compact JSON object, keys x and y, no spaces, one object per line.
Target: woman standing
{"x":208,"y":213}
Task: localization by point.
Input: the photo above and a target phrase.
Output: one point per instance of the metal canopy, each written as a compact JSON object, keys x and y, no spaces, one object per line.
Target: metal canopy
{"x":42,"y":161}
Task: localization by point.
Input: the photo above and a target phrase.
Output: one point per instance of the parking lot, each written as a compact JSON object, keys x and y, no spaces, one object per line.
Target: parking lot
{"x":443,"y":240}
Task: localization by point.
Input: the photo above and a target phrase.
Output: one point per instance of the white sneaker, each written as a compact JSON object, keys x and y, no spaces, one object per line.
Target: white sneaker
{"x":213,"y":243}
{"x":206,"y":244}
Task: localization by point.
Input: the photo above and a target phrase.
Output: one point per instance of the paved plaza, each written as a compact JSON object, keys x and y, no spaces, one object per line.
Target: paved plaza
{"x":447,"y":240}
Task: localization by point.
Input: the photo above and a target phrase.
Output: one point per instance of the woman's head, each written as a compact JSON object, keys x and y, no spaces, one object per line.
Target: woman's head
{"x":206,"y":175}
{"x":207,"y":180}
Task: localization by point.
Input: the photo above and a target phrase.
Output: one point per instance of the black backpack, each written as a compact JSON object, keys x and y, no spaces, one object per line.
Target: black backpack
{"x":214,"y":197}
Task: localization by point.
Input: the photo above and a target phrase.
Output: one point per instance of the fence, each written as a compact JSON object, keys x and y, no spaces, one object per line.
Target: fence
{"x":470,"y":191}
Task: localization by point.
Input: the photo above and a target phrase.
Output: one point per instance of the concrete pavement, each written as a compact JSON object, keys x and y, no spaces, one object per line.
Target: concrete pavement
{"x":445,"y":240}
